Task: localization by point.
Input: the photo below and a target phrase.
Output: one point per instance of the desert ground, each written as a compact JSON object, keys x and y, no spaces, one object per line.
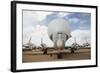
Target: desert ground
{"x":31,"y":56}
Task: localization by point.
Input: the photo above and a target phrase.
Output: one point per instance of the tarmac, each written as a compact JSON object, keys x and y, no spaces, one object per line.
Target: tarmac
{"x":38,"y":56}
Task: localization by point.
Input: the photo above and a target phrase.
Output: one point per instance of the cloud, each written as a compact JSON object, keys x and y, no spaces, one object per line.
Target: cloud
{"x":54,"y":15}
{"x":42,"y":14}
{"x":29,"y":21}
{"x":80,"y":37}
{"x":40,"y":31}
{"x":33,"y":27}
{"x":37,"y":15}
{"x":74,"y":20}
{"x":63,"y":14}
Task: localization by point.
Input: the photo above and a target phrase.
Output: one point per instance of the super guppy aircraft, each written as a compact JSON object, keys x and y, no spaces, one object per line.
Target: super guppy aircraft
{"x":59,"y":33}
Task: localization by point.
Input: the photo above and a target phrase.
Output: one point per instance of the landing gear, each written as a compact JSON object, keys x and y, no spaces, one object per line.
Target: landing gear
{"x":45,"y":51}
{"x":72,"y":50}
{"x":59,"y":56}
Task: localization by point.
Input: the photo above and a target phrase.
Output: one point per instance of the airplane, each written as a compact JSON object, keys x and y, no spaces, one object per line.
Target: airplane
{"x":29,"y":45}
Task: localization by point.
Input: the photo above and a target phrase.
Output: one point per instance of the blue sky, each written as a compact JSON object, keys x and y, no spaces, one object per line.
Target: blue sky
{"x":76,"y":20}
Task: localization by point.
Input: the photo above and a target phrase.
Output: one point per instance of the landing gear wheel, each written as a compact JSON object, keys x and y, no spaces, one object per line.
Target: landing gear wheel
{"x":59,"y":56}
{"x":72,"y":51}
